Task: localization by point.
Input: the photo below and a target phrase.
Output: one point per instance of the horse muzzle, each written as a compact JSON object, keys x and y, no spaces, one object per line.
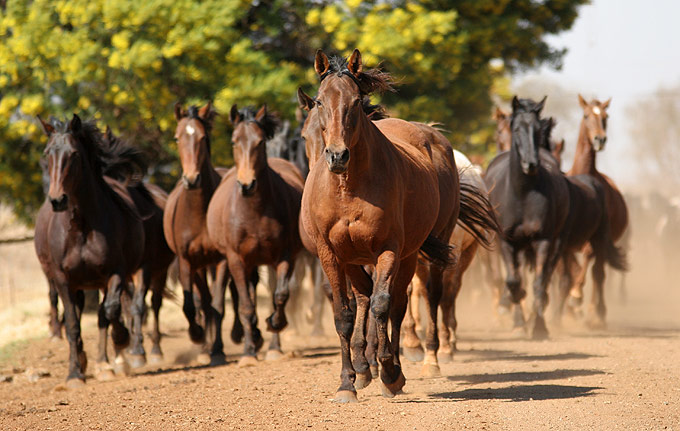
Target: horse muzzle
{"x":598,"y":143}
{"x":59,"y":204}
{"x":530,"y":168}
{"x":337,"y":160}
{"x":191,"y":183}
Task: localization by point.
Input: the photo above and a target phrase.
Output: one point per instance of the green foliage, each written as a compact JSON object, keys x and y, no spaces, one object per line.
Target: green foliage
{"x":126,"y":62}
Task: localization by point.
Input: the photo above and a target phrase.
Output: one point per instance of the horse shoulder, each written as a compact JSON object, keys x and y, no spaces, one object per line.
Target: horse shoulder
{"x":288,"y":172}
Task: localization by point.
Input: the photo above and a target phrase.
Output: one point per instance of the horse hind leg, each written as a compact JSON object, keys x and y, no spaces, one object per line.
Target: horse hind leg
{"x":137,"y":355}
{"x":119,"y":334}
{"x":597,"y":311}
{"x":201,"y":283}
{"x":158,"y":283}
{"x":432,"y":300}
{"x":576,"y":293}
{"x":217,"y":292}
{"x":413,"y":349}
{"x":513,"y":292}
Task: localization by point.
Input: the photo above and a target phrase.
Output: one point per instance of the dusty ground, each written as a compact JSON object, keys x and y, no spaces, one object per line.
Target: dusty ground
{"x":627,"y":377}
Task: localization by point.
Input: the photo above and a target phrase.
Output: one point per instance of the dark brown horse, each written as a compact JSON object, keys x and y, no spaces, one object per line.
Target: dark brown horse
{"x":184,"y":223}
{"x":592,"y":139}
{"x":372,"y":203}
{"x":532,"y":199}
{"x":89,"y":233}
{"x":253,"y":220}
{"x":155,"y":262}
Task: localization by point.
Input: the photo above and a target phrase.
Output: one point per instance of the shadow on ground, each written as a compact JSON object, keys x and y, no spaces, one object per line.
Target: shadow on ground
{"x":523,"y":376}
{"x":520,"y":393}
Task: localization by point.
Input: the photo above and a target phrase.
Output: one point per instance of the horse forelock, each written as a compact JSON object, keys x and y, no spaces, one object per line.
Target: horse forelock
{"x":269,"y":124}
{"x":369,"y":81}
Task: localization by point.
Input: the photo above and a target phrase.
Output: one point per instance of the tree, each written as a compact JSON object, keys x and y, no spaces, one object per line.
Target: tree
{"x":126,"y":62}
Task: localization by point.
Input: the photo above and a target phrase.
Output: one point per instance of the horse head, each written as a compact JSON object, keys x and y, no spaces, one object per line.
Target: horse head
{"x":595,"y":121}
{"x":526,"y":132}
{"x":64,"y":160}
{"x":193,"y":141}
{"x":249,"y":139}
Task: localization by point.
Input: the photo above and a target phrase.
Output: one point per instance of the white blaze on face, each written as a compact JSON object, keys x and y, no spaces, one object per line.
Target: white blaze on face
{"x":190,"y":130}
{"x":596,"y":111}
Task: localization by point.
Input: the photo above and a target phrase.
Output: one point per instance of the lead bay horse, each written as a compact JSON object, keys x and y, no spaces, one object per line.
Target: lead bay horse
{"x":253,"y":220}
{"x":591,"y":140}
{"x":89,"y":233}
{"x":531,"y":197}
{"x":375,"y":201}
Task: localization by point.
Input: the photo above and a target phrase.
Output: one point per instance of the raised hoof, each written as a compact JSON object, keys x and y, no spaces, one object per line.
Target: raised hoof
{"x":75,"y":383}
{"x":196,"y":334}
{"x":414,"y":354}
{"x":574,"y":301}
{"x":445,"y":357}
{"x":274,"y":355}
{"x":363,"y":379}
{"x":430,"y":371}
{"x":155,"y":359}
{"x":247,"y":361}
{"x":136,"y":361}
{"x":374,"y":370}
{"x":237,"y":333}
{"x":389,"y":390}
{"x":345,"y":397}
{"x":276,"y":325}
{"x":203,"y":359}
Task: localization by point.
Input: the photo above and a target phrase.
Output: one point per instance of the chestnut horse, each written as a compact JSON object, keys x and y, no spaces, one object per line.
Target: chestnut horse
{"x":372,"y":203}
{"x":592,"y":138}
{"x":89,"y":233}
{"x":253,"y":221}
{"x":532,"y":199}
{"x":184,"y":223}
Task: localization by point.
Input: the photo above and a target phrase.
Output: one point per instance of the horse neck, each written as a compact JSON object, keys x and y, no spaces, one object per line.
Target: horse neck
{"x":211,"y":179}
{"x":85,"y":205}
{"x":370,"y":147}
{"x":584,"y":159}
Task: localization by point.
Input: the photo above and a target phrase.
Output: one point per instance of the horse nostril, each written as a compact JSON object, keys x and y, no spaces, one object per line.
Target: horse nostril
{"x":59,"y":204}
{"x":247,"y":189}
{"x":344,"y":156}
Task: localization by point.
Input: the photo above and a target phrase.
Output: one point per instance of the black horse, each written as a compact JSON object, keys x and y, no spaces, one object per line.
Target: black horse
{"x":531,"y":196}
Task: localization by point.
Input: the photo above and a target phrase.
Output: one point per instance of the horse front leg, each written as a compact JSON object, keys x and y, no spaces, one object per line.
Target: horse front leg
{"x":56,"y":324}
{"x":201,"y":283}
{"x":514,"y":292}
{"x":597,"y":311}
{"x":217,"y":293}
{"x":277,"y":321}
{"x":576,"y":293}
{"x":77,"y":357}
{"x":158,"y":283}
{"x":246,"y":309}
{"x":344,"y":323}
{"x":547,"y":255}
{"x":137,"y":356}
{"x":119,"y":333}
{"x":196,"y":332}
{"x":362,"y":285}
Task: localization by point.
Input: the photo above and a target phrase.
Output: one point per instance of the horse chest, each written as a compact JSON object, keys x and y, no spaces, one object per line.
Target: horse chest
{"x":353,"y":238}
{"x":85,"y":258}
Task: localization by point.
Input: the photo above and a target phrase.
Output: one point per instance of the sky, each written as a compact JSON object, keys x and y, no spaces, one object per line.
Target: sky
{"x":624,"y":49}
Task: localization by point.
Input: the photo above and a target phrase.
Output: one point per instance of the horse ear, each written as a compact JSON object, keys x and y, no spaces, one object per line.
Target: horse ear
{"x":178,"y":111}
{"x":261,"y":114}
{"x":605,"y":105}
{"x":498,"y":114}
{"x":47,"y":127}
{"x":75,"y":124}
{"x":515,"y":103}
{"x":305,"y":102}
{"x":204,"y":112}
{"x":321,"y":63}
{"x":234,"y":116}
{"x":582,"y":101}
{"x":539,"y":106}
{"x":354,"y":65}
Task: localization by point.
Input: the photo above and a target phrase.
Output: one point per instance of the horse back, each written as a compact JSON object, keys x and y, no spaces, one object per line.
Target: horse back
{"x":616,"y":207}
{"x":586,"y":210}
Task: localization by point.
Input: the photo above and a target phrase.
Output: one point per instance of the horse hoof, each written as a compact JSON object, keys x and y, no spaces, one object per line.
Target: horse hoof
{"x":445,"y":357}
{"x":258,"y":340}
{"x":430,"y":371}
{"x":55,"y":338}
{"x":363,"y":379}
{"x":374,"y":370}
{"x":389,"y":390}
{"x":104,"y":375}
{"x":121,"y":366}
{"x":155,"y":359}
{"x":136,"y":361}
{"x":218,"y":359}
{"x":539,"y":333}
{"x":276,"y":325}
{"x":596,"y":323}
{"x":414,"y":354}
{"x":197,"y":334}
{"x":203,"y":359}
{"x":247,"y":361}
{"x":236,"y":334}
{"x":345,"y":397}
{"x":518,"y":333}
{"x":273,"y":355}
{"x":75,"y":383}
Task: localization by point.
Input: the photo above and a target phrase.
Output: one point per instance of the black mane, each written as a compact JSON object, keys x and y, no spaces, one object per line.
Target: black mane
{"x":269,"y":124}
{"x":368,"y":81}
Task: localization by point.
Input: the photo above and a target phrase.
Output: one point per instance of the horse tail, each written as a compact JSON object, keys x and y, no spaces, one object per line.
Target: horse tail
{"x":437,"y":251}
{"x":477,"y":215}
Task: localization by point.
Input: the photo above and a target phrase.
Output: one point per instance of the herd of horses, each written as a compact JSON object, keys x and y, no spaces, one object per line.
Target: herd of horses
{"x":386,"y":207}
